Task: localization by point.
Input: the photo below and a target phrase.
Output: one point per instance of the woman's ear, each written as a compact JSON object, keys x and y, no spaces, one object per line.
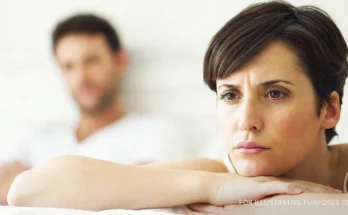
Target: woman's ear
{"x":331,"y":111}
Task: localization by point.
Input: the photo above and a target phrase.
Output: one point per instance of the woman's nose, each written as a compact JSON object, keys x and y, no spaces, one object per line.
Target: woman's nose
{"x":249,"y":118}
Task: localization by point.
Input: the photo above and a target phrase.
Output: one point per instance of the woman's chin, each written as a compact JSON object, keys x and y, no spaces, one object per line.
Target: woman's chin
{"x":254,"y":168}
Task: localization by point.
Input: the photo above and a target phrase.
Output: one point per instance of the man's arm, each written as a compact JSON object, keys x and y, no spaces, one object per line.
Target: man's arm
{"x":8,"y":172}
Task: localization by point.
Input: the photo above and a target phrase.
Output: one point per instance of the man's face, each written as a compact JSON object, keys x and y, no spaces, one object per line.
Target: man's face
{"x":90,"y":69}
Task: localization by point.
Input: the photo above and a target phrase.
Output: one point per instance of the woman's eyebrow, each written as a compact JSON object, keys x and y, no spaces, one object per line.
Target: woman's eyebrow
{"x":271,"y":82}
{"x":266,"y":83}
{"x":229,"y":86}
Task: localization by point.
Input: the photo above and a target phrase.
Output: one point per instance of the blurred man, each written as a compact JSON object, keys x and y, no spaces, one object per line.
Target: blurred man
{"x":93,"y":63}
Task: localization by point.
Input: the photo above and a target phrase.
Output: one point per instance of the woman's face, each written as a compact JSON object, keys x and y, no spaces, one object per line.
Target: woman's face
{"x":268,"y":115}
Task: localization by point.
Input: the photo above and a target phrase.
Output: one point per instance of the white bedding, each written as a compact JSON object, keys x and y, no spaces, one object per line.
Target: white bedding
{"x":6,"y":210}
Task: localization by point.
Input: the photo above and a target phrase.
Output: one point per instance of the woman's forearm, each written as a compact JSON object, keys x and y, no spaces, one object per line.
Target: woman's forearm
{"x":90,"y":184}
{"x":84,"y":183}
{"x":8,"y":172}
{"x":197,"y":164}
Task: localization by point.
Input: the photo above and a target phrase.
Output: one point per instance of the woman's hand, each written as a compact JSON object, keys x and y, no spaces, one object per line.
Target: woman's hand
{"x":232,"y":188}
{"x":305,"y":203}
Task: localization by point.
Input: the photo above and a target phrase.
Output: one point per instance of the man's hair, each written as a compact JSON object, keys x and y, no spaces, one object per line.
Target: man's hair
{"x":307,"y":30}
{"x":86,"y":24}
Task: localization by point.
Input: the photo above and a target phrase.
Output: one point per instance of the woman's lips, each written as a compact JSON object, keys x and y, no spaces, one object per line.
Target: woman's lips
{"x":250,"y":148}
{"x":251,"y":151}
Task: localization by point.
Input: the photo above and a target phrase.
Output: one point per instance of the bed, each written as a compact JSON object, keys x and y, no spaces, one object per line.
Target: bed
{"x":7,"y":210}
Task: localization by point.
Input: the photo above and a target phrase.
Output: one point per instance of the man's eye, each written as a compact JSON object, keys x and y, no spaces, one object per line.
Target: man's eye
{"x":67,"y":67}
{"x":92,"y":60}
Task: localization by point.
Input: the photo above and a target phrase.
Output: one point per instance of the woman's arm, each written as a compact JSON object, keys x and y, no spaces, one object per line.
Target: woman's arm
{"x":196,"y":164}
{"x":91,"y":184}
{"x":85,"y":183}
{"x":8,"y":172}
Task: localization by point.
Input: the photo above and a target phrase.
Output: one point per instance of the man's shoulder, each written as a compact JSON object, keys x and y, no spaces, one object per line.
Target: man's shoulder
{"x":159,"y":131}
{"x":47,"y":132}
{"x":147,"y":118}
{"x":55,"y":129}
{"x":147,"y":123}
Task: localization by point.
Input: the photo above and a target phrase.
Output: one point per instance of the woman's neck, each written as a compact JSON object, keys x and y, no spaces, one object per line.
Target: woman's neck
{"x":320,"y":166}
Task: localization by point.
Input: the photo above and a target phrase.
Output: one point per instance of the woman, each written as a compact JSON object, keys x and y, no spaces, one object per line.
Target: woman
{"x":279,"y":73}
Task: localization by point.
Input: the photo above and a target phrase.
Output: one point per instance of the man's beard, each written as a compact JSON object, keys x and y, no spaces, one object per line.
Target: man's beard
{"x":105,"y":101}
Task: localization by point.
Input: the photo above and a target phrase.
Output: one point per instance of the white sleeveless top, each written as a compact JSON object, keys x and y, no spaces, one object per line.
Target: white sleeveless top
{"x":228,"y":163}
{"x":345,"y":184}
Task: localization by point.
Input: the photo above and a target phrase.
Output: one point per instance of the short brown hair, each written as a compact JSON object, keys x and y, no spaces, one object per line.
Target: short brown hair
{"x":86,"y":24}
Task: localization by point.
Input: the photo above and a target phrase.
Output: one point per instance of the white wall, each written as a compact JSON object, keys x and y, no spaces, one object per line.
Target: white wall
{"x":166,"y":41}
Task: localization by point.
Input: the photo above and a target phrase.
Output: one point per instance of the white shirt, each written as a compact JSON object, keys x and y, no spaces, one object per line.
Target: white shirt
{"x":129,"y":140}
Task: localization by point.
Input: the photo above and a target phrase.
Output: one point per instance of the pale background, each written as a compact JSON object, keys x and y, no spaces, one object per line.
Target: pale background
{"x":166,"y":41}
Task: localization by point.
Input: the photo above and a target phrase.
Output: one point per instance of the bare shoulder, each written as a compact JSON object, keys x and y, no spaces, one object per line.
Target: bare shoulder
{"x":342,"y":150}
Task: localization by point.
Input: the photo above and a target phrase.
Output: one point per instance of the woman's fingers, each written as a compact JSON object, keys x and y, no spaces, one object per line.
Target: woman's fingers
{"x":312,"y":187}
{"x":279,"y":187}
{"x":316,"y":188}
{"x":206,"y":208}
{"x":320,"y":190}
{"x":199,"y":213}
{"x":234,"y":188}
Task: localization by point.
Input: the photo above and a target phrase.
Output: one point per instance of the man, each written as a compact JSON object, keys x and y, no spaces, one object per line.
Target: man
{"x":93,"y":63}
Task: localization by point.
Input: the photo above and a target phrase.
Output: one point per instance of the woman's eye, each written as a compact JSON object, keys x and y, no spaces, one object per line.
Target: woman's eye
{"x":229,"y":96}
{"x":275,"y":94}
